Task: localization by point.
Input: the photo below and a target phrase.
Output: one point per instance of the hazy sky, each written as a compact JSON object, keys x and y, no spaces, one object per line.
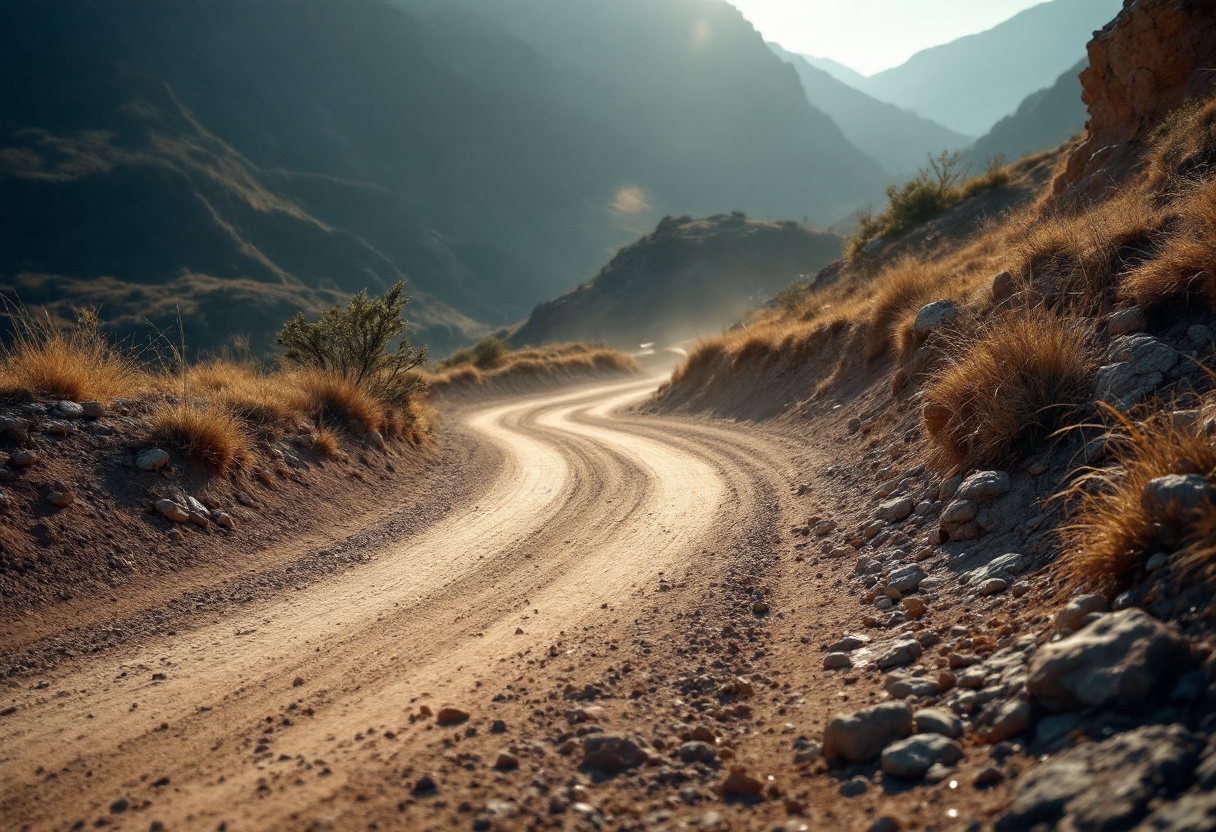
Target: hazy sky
{"x":872,"y":35}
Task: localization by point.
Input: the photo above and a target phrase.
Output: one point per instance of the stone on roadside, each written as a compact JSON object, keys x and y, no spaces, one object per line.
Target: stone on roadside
{"x":69,"y":410}
{"x":151,"y":459}
{"x":1118,"y":661}
{"x":993,"y":586}
{"x":938,"y":721}
{"x":611,"y":754}
{"x":906,"y":578}
{"x":837,"y":661}
{"x":862,"y":735}
{"x":900,"y":651}
{"x":895,"y":510}
{"x":911,"y":758}
{"x":173,"y":511}
{"x":451,"y":715}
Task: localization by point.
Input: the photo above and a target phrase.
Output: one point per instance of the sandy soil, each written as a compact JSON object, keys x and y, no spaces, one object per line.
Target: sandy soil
{"x":595,"y":558}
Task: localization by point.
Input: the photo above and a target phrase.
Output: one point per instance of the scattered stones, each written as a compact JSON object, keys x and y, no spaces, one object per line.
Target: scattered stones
{"x":1174,"y":499}
{"x":938,"y":721}
{"x":993,"y":586}
{"x":901,"y":651}
{"x":451,"y":715}
{"x":171,"y":510}
{"x":152,"y":459}
{"x":850,"y":642}
{"x":1118,"y":661}
{"x":1128,"y":321}
{"x":1104,"y":785}
{"x":61,"y":499}
{"x":911,"y":758}
{"x":906,"y":578}
{"x":984,"y":486}
{"x":424,"y":785}
{"x":934,"y":316}
{"x":895,"y":510}
{"x":611,"y":753}
{"x":862,"y":735}
{"x":1076,"y":612}
{"x":855,"y":787}
{"x":24,"y":459}
{"x":837,"y":661}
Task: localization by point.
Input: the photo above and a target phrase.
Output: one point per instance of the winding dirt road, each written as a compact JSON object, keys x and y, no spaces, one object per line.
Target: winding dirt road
{"x":602,"y":560}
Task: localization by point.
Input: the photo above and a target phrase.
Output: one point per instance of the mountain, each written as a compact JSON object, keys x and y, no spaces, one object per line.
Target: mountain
{"x":898,"y":139}
{"x":158,"y":155}
{"x":688,"y":278}
{"x":842,"y":73}
{"x":971,"y":83}
{"x":1046,"y":119}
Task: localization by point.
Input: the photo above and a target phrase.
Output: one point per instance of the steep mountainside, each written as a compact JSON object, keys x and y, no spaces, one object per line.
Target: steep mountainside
{"x":898,"y":139}
{"x":304,"y":149}
{"x":687,"y":278}
{"x":971,"y":83}
{"x":1046,"y":119}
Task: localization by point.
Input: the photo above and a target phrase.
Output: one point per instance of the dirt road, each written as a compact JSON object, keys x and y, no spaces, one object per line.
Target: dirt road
{"x":602,"y":560}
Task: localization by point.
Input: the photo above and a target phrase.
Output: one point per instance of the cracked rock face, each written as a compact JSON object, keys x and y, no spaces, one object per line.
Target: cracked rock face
{"x":1151,"y":58}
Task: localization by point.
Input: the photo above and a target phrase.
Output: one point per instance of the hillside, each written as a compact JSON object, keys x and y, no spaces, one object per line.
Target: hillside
{"x":898,"y":139}
{"x":971,"y":83}
{"x":229,"y":155}
{"x":1046,"y":119}
{"x":688,"y":278}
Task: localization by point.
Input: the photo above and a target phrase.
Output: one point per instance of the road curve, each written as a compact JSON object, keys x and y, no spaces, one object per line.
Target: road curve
{"x":297,"y":711}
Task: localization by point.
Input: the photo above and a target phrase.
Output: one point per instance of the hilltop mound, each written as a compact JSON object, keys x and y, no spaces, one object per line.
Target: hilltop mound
{"x":688,"y":277}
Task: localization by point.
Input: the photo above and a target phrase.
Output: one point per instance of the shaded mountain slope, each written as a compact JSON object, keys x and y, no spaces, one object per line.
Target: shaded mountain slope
{"x":971,"y":83}
{"x":688,"y":278}
{"x":1046,"y":119}
{"x":898,"y":139}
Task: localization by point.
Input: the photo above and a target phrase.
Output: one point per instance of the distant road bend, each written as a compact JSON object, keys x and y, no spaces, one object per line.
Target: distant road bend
{"x":302,"y":707}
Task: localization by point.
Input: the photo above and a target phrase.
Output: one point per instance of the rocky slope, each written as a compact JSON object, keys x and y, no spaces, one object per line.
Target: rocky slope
{"x":688,"y":278}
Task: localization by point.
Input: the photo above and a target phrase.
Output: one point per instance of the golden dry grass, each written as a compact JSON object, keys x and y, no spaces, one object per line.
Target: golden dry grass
{"x":1184,"y":266}
{"x":205,"y":432}
{"x":327,"y":443}
{"x":76,"y":363}
{"x":1009,"y":382}
{"x":336,"y":400}
{"x":268,"y":401}
{"x":900,"y":292}
{"x":1110,"y":534}
{"x":461,"y":368}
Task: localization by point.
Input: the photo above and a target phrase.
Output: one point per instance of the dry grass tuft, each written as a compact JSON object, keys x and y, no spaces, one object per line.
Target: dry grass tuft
{"x":1184,"y":268}
{"x":490,"y":360}
{"x":270,"y":402}
{"x":1007,"y":383}
{"x":205,"y":432}
{"x":334,"y":399}
{"x":76,"y":363}
{"x":1182,"y":148}
{"x":1111,"y":535}
{"x":327,"y":443}
{"x":900,"y":292}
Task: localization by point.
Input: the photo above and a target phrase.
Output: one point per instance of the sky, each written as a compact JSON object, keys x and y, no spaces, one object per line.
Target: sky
{"x":873,"y":35}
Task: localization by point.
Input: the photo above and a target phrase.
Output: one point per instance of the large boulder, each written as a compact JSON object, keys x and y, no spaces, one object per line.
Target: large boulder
{"x":1118,"y":661}
{"x":862,"y":735}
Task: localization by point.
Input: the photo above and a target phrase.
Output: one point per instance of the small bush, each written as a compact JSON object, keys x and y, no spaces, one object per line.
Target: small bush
{"x":1110,"y":535}
{"x":489,"y":353}
{"x":76,"y":363}
{"x":1008,"y":384}
{"x":334,"y":400}
{"x":327,"y":443}
{"x":354,"y":344}
{"x":204,"y":432}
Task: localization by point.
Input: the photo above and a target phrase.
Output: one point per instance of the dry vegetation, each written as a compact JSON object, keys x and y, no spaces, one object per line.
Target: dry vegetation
{"x":1019,"y":363}
{"x":491,"y":359}
{"x":78,"y":363}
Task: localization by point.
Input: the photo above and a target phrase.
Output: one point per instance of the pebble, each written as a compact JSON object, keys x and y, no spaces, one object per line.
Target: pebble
{"x":988,"y":776}
{"x":498,"y":727}
{"x":69,"y":410}
{"x":222,"y":519}
{"x":424,"y":785}
{"x":901,"y":651}
{"x":1019,"y":589}
{"x":170,"y":510}
{"x":152,"y":459}
{"x":93,"y":409}
{"x":914,"y":607}
{"x":451,"y":715}
{"x":850,"y":642}
{"x":911,"y":758}
{"x":1076,"y":611}
{"x":740,"y":784}
{"x":993,"y":586}
{"x":837,"y":661}
{"x":862,"y":735}
{"x":855,"y":787}
{"x":56,"y":428}
{"x":610,"y":753}
{"x":24,"y":459}
{"x":176,"y":536}
{"x":906,"y":578}
{"x":696,"y":751}
{"x":938,"y":721}
{"x":61,"y":499}
{"x":506,"y":761}
{"x":759,"y":607}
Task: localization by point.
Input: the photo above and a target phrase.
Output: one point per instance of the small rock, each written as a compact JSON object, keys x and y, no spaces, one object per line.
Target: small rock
{"x":740,"y":784}
{"x":1200,"y":335}
{"x":93,"y":409}
{"x":610,"y":753}
{"x":862,"y":735}
{"x":152,"y":459}
{"x":424,"y":785}
{"x":57,"y":428}
{"x":170,"y":510}
{"x":984,"y":486}
{"x":883,"y":602}
{"x":176,"y":536}
{"x":1118,"y":661}
{"x":850,"y":642}
{"x":69,"y":410}
{"x":222,"y":519}
{"x":119,"y":806}
{"x":1076,"y":611}
{"x":696,"y":751}
{"x":1157,"y":561}
{"x":938,"y":721}
{"x":896,"y":510}
{"x":1003,"y":287}
{"x":61,"y":499}
{"x":1019,"y":589}
{"x":911,"y":758}
{"x":451,"y":715}
{"x":24,"y":459}
{"x":901,"y":651}
{"x":906,"y":578}
{"x":993,"y":586}
{"x":1011,"y":719}
{"x":987,"y":776}
{"x":837,"y":661}
{"x":1127,"y":321}
{"x":498,"y":727}
{"x":1175,"y":498}
{"x":855,"y":787}
{"x":506,"y":761}
{"x":914,"y":607}
{"x":759,"y":607}
{"x":934,"y":316}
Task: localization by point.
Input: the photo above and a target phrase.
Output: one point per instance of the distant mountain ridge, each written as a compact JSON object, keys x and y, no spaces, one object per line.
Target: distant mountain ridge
{"x":971,"y":83}
{"x":1046,"y":119}
{"x":900,"y":140}
{"x":166,"y":153}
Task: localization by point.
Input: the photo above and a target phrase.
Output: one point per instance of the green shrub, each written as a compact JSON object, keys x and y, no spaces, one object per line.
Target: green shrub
{"x":489,"y":352}
{"x":355,"y":344}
